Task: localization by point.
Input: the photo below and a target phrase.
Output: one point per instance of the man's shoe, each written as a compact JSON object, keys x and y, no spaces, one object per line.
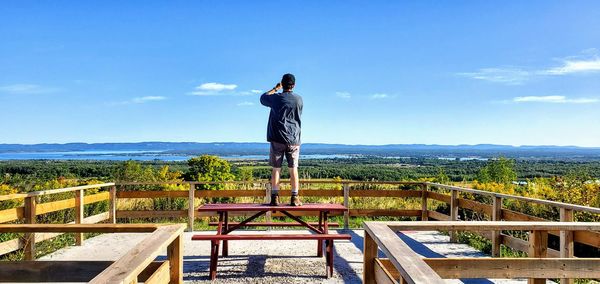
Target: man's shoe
{"x":295,"y":200}
{"x":274,"y":200}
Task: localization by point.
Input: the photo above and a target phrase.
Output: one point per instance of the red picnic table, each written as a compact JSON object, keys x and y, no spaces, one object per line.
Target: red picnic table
{"x":224,"y":228}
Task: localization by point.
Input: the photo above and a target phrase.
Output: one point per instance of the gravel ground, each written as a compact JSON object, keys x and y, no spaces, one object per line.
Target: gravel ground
{"x":272,"y":261}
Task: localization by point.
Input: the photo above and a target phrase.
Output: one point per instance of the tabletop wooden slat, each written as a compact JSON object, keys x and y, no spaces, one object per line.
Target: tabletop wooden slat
{"x":267,"y":207}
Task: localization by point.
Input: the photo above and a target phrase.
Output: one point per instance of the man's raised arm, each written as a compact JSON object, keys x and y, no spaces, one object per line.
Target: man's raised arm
{"x":265,"y":100}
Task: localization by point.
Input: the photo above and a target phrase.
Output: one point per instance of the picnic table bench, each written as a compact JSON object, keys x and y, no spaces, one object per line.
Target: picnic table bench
{"x":224,"y":228}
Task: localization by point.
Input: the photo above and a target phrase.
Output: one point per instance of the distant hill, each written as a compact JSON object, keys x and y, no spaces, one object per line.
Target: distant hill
{"x":394,"y":150}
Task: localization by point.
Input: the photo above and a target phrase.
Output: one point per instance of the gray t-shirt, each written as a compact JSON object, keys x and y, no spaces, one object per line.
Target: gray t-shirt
{"x":284,"y":119}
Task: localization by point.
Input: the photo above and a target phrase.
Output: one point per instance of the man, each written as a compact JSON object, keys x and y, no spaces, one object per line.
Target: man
{"x":283,"y":131}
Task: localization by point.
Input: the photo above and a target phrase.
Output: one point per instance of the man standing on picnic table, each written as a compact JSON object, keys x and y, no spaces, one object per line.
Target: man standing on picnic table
{"x":283,"y":131}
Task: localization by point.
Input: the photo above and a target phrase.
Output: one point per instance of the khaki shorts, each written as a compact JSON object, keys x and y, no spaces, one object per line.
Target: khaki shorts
{"x":278,"y":150}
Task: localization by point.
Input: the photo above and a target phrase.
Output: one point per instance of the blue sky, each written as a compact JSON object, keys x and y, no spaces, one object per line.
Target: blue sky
{"x":370,"y":72}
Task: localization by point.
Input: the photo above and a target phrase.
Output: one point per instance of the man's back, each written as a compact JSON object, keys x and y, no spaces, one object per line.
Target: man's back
{"x":285,"y":117}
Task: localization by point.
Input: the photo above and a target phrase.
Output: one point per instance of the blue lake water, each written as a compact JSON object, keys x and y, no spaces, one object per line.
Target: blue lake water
{"x":134,"y":155}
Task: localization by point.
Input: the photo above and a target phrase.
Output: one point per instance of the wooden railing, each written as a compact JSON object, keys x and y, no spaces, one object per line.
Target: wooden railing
{"x":32,"y":208}
{"x":403,"y":265}
{"x":427,"y":194}
{"x":138,"y":264}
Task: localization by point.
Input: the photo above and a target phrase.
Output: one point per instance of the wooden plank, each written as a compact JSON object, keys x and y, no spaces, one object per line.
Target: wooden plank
{"x":496,"y":235}
{"x":51,"y":271}
{"x":567,"y":245}
{"x":152,"y":194}
{"x":424,"y":215}
{"x":191,"y":208}
{"x":511,"y":268}
{"x":30,"y":219}
{"x":383,"y":212}
{"x":93,"y":198}
{"x":12,"y":214}
{"x":453,"y":214}
{"x":160,"y":275}
{"x":369,"y":255}
{"x":53,"y":191}
{"x":587,"y":237}
{"x":112,"y":205}
{"x":382,"y":275}
{"x":439,"y":197}
{"x":492,"y":225}
{"x":175,"y":257}
{"x":409,"y":264}
{"x":478,"y":207}
{"x":79,"y":200}
{"x":44,"y":208}
{"x":230,"y":193}
{"x":346,"y":189}
{"x":75,"y":228}
{"x":538,"y":245}
{"x":313,"y":192}
{"x":129,"y":266}
{"x":515,"y":243}
{"x":385,"y":193}
{"x":151,"y":214}
{"x":261,"y":237}
{"x":437,"y":215}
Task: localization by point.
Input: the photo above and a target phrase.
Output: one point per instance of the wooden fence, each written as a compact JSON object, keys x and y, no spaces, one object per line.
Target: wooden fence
{"x":138,"y":264}
{"x":32,"y":208}
{"x":427,"y":194}
{"x":403,"y":265}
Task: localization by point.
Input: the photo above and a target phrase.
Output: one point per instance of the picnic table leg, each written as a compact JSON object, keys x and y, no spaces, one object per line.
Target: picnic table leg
{"x":330,"y":258}
{"x":328,"y":248}
{"x":214,"y":257}
{"x":320,"y":242}
{"x":226,"y":243}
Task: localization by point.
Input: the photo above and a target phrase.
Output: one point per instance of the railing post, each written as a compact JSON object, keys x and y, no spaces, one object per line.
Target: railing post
{"x":424,"y":212}
{"x":79,"y":202}
{"x":369,"y":255}
{"x":112,"y":208}
{"x":267,"y":200}
{"x":453,"y":212}
{"x":30,"y":218}
{"x":566,"y":240}
{"x":346,"y":189}
{"x":496,"y":235}
{"x":175,"y":257}
{"x":538,"y":247}
{"x":191,"y":207}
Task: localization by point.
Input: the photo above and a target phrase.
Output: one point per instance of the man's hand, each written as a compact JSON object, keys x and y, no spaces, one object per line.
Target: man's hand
{"x":272,"y":91}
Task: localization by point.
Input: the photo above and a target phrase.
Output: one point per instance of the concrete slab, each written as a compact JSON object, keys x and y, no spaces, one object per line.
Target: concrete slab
{"x":273,"y":261}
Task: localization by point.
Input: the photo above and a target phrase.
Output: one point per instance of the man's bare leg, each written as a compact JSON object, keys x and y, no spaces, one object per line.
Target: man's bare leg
{"x":295,"y":182}
{"x":275,"y":173}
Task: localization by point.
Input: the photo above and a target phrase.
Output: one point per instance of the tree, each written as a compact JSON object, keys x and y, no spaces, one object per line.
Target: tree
{"x":501,"y":170}
{"x":209,"y":168}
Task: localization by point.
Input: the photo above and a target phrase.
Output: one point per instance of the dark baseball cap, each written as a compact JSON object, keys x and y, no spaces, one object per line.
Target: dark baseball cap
{"x":288,"y":80}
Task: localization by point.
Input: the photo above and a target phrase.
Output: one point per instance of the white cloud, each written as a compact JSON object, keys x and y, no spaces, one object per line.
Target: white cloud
{"x":217,"y":87}
{"x":343,"y":95}
{"x":510,"y":76}
{"x":379,"y":96}
{"x":141,"y":100}
{"x":27,"y":89}
{"x":587,"y":61}
{"x":554,"y":99}
{"x":576,"y":66}
{"x":245,"y":104}
{"x":256,"y":91}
